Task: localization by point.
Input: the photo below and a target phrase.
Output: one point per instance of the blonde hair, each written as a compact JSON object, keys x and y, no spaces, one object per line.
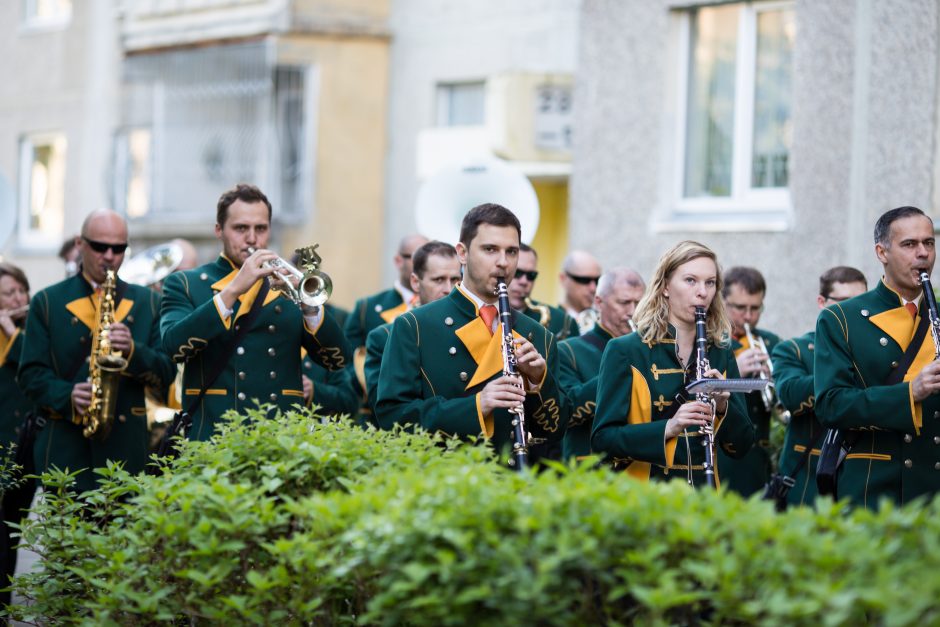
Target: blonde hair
{"x":652,"y":312}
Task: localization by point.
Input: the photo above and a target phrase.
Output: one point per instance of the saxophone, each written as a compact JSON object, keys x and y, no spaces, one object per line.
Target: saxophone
{"x":105,"y":366}
{"x":545,"y":314}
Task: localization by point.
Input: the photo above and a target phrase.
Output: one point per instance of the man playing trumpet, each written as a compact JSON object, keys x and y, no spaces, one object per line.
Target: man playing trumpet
{"x":205,"y":310}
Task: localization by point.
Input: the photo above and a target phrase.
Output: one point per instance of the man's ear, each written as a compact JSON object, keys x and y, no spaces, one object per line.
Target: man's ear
{"x":415,"y":282}
{"x":461,"y":253}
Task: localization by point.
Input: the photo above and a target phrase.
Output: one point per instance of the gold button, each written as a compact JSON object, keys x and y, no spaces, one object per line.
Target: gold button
{"x":242,"y":375}
{"x":908,"y":463}
{"x":463,"y":376}
{"x":908,"y":438}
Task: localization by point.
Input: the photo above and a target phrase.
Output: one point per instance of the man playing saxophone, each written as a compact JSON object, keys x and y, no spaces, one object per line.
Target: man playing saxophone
{"x":61,"y":327}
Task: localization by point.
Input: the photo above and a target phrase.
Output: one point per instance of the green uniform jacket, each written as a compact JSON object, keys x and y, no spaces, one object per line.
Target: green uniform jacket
{"x":57,"y":344}
{"x":748,"y":475}
{"x":333,"y":390}
{"x":371,"y":312}
{"x":438,"y":358}
{"x":636,"y":394}
{"x":560,"y":323}
{"x":858,"y":343}
{"x":793,"y":376}
{"x":579,"y":361}
{"x":375,"y":349}
{"x":263,"y":368}
{"x":14,"y":405}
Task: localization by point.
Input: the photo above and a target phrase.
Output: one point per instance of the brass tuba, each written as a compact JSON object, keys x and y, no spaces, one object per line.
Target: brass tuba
{"x":104,"y":367}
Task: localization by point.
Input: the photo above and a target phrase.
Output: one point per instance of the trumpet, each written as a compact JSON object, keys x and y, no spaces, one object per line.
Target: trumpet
{"x":314,"y":287}
{"x":769,"y":394}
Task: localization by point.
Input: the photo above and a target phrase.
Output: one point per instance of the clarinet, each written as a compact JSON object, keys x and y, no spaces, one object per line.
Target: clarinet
{"x":520,"y":444}
{"x":931,"y":312}
{"x":701,"y":367}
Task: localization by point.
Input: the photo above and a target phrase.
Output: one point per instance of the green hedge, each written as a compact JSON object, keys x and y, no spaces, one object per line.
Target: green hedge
{"x":295,"y":520}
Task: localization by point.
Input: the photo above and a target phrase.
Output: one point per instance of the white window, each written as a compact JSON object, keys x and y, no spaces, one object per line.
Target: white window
{"x":41,"y":190}
{"x":461,"y":104}
{"x":46,"y":13}
{"x":134,"y":160}
{"x":735,"y":123}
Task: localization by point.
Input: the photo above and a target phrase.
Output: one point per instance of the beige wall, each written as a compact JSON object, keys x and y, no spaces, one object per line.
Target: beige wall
{"x":347,"y":217}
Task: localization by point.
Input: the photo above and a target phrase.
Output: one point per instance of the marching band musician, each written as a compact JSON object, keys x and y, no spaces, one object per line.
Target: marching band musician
{"x":14,"y":405}
{"x":580,"y":272}
{"x":435,"y":272}
{"x":451,"y":380}
{"x":743,"y":294}
{"x":618,"y":293}
{"x":793,"y":376}
{"x":204,"y":310}
{"x":555,"y":319}
{"x":862,"y":345}
{"x":56,"y":352}
{"x":643,"y":416}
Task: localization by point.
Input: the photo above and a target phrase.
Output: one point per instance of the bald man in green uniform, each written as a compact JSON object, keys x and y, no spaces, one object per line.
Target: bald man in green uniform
{"x":579,"y":358}
{"x":860,"y":343}
{"x":743,"y":293}
{"x":793,"y":375}
{"x":443,"y":364}
{"x":203,"y":310}
{"x":555,"y":319}
{"x":54,"y":368}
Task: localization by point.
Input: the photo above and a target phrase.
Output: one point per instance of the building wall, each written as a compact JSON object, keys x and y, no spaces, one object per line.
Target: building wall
{"x":59,"y":79}
{"x":451,"y":41}
{"x":864,"y":111}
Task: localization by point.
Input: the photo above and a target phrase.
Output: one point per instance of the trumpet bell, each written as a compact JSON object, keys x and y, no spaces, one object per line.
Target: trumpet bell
{"x":315,"y":288}
{"x":152,"y":265}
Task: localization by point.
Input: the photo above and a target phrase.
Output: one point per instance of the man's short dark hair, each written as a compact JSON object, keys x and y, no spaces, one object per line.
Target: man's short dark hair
{"x":750,"y":280}
{"x":840,"y":274}
{"x":525,"y":248}
{"x":15,"y":273}
{"x":419,"y":258}
{"x":883,"y":226}
{"x":243,"y":192}
{"x":489,"y":213}
{"x":67,"y":246}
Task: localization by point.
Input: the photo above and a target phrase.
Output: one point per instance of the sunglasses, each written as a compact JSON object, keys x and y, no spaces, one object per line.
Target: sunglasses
{"x":101,"y":247}
{"x":583,"y":280}
{"x":529,"y":274}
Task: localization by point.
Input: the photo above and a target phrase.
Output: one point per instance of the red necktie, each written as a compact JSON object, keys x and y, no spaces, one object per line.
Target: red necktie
{"x":911,"y":309}
{"x":488,"y":313}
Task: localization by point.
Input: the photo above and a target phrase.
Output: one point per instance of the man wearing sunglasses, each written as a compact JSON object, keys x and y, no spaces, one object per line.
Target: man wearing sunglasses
{"x":793,"y":375}
{"x":555,"y":319}
{"x":580,"y":273}
{"x":743,"y":293}
{"x":54,"y":367}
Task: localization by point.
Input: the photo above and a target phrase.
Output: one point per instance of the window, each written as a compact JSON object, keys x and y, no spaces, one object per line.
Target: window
{"x":735,"y":123}
{"x":46,"y":13}
{"x":553,"y":117}
{"x":197,"y":121}
{"x":461,"y":104}
{"x":41,"y":190}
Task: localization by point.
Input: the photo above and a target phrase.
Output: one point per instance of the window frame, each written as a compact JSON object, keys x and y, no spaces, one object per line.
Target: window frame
{"x":27,"y":237}
{"x":31,"y":21}
{"x":443,"y":99}
{"x":746,"y":207}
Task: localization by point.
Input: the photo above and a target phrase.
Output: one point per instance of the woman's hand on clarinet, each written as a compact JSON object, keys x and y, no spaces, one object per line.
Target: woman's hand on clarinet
{"x":721,"y":398}
{"x":692,"y":414}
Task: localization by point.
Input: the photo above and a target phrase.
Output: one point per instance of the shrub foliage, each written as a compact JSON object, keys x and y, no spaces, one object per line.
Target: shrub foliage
{"x":298,"y":520}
